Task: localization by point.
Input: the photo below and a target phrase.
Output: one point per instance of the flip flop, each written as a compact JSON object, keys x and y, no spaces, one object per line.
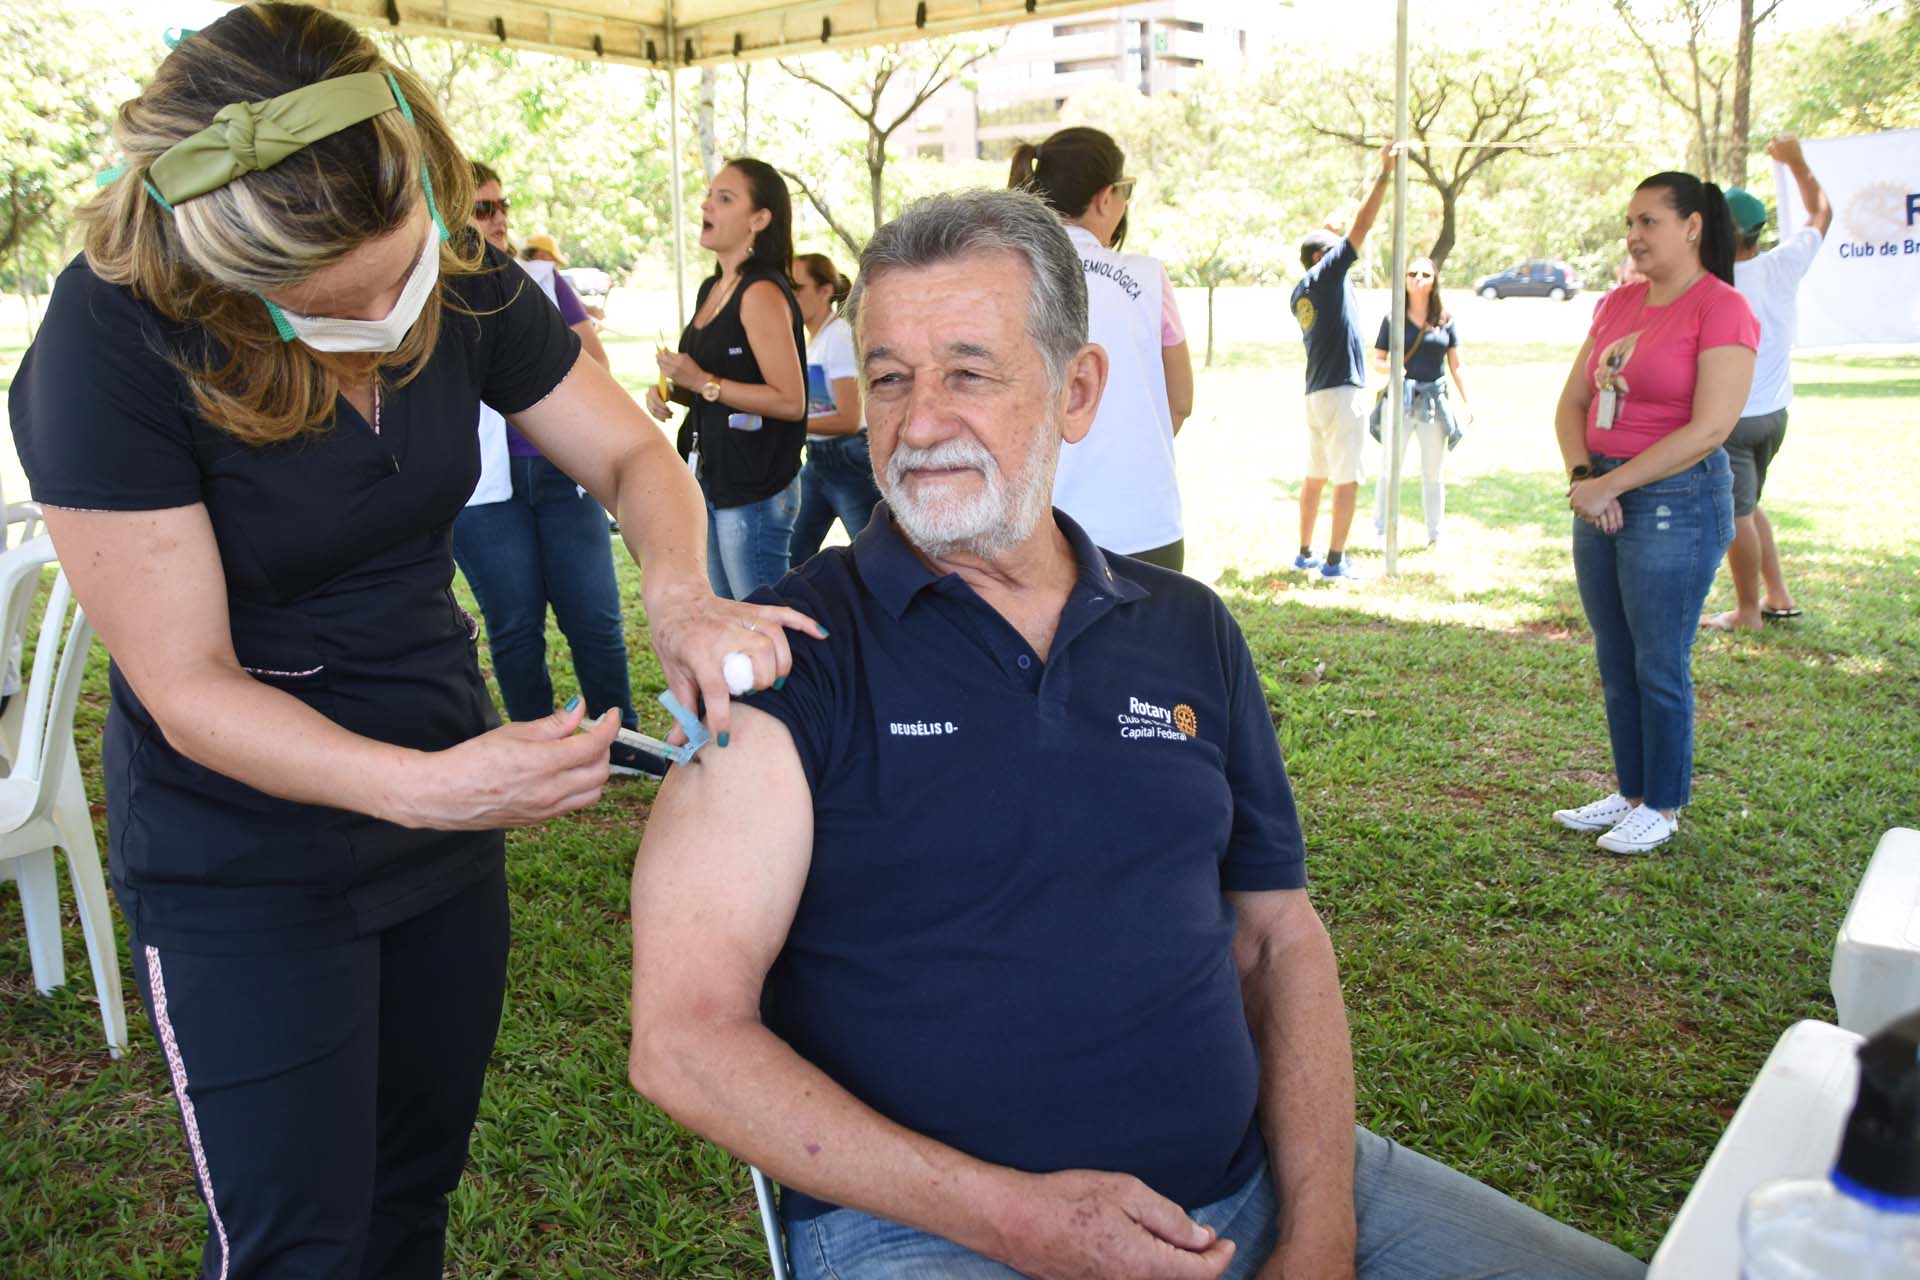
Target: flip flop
{"x":1775,"y":615}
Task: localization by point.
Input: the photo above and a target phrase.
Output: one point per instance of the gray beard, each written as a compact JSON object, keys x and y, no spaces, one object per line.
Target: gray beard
{"x":999,"y":517}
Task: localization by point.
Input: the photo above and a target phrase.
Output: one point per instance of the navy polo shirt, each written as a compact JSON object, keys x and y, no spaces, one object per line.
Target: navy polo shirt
{"x":1325,"y":305}
{"x":336,"y":553}
{"x":1426,"y":348}
{"x":1013,"y":936}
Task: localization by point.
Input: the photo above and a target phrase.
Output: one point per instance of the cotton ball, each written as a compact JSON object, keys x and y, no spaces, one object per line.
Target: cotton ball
{"x":738,"y":669}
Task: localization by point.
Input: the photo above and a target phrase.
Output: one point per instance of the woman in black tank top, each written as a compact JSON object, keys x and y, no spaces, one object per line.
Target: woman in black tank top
{"x":741,"y":372}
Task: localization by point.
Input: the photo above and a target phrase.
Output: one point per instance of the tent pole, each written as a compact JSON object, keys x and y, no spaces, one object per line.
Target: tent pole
{"x":678,"y":197}
{"x":1398,"y":283}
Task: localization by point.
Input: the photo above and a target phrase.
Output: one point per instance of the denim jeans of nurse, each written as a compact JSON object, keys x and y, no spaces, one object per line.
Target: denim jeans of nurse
{"x":1643,"y":589}
{"x":836,"y":482}
{"x":547,"y":544}
{"x":1417,"y":1220}
{"x":750,"y":546}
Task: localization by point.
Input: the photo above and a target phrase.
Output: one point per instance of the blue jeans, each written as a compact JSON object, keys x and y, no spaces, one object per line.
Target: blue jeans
{"x":1417,"y":1220}
{"x":748,"y":546}
{"x":1643,"y":588}
{"x":837,"y":481}
{"x":547,"y":544}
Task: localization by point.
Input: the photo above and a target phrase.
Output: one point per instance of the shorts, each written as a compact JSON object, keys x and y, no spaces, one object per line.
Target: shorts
{"x":1336,"y":430}
{"x":1749,"y":451}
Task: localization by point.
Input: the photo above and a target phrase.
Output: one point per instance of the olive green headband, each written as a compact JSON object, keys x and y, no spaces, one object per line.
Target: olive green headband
{"x":246,"y":137}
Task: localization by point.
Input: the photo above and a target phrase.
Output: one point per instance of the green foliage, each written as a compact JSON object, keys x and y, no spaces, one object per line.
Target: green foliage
{"x":65,"y":70}
{"x":1571,"y":1028}
{"x":580,"y":147}
{"x":1858,"y":76}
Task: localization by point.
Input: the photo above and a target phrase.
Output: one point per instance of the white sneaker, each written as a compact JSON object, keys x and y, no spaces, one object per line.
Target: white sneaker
{"x":1601,"y":815}
{"x":1641,"y":831}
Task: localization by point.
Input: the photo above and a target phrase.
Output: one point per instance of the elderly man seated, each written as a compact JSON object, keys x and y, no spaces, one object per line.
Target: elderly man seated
{"x":987,"y":935}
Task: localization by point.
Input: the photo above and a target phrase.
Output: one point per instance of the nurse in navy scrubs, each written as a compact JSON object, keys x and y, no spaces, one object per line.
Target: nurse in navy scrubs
{"x":249,"y":416}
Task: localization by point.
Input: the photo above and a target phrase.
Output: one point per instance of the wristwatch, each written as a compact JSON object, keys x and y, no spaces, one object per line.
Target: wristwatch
{"x":711,"y":391}
{"x":1579,"y":473}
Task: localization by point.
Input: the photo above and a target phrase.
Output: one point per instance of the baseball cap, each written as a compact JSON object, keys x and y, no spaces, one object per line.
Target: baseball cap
{"x":1749,"y":214}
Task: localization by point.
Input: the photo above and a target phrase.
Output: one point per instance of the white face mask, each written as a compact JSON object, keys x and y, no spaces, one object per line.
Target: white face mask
{"x":325,"y":333}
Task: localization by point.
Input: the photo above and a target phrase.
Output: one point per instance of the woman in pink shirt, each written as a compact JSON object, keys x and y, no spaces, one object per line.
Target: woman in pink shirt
{"x":1655,"y":390}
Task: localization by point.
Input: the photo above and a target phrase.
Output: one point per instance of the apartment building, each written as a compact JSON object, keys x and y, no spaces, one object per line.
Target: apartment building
{"x":1018,"y":92}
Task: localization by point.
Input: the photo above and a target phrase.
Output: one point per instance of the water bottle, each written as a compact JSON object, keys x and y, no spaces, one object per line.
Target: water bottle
{"x":1862,"y":1221}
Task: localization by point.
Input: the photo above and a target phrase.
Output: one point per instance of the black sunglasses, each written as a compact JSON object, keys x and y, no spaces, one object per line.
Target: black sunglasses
{"x":1125,"y":188}
{"x":486,"y":208}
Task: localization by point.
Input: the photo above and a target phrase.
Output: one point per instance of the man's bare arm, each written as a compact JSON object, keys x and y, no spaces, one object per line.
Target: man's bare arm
{"x":1291,"y":987}
{"x":1369,"y":210}
{"x":715,"y":888}
{"x":1785,"y":148}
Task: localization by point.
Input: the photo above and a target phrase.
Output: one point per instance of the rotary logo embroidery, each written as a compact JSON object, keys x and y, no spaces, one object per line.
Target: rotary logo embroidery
{"x":1143,"y":719}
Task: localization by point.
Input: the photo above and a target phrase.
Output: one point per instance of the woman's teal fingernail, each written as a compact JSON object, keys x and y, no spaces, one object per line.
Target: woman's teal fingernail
{"x":574,"y":703}
{"x":780,"y":682}
{"x":824,"y":633}
{"x":722,"y":739}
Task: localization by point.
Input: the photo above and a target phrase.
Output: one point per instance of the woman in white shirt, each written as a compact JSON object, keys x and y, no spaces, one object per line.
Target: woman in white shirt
{"x":837,"y":481}
{"x":1119,"y":482}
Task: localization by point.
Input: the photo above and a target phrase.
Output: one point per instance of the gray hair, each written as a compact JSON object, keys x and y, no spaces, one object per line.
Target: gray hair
{"x":960,"y":223}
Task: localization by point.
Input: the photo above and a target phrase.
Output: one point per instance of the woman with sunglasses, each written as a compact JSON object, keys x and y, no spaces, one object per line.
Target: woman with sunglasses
{"x":530,"y":538}
{"x":249,"y":418}
{"x":1119,"y":482}
{"x":741,"y":372}
{"x":1431,"y":343}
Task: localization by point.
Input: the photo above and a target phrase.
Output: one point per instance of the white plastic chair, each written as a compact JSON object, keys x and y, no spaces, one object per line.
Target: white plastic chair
{"x":14,"y":608}
{"x":763,"y":1191}
{"x":43,"y":802}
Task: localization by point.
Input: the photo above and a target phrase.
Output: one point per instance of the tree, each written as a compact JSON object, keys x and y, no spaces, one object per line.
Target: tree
{"x":66,"y":72}
{"x":1201,"y":160}
{"x":1476,"y":107}
{"x":1855,"y":77}
{"x":885,"y":87}
{"x":1697,"y":81}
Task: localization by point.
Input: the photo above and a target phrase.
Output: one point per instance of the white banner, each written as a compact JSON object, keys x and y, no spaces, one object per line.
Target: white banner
{"x":1865,"y":285}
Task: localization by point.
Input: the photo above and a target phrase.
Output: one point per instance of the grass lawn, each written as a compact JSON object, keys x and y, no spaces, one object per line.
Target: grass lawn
{"x":1572,"y":1028}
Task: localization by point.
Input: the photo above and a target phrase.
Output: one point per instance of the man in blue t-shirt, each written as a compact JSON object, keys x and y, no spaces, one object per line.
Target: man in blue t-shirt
{"x":1325,"y":305}
{"x":986,"y":933}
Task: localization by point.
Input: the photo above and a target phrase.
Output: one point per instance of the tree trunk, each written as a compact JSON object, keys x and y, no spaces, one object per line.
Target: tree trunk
{"x":876,"y":176}
{"x":1736,"y":170}
{"x":1210,"y":288}
{"x":709,"y":163}
{"x":746,"y":116}
{"x":1449,"y":228}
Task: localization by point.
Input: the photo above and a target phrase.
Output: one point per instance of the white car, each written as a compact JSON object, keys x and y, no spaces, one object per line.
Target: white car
{"x":588,"y":282}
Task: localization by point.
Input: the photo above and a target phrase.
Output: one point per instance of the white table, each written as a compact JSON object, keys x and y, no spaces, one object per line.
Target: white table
{"x":1788,"y":1126}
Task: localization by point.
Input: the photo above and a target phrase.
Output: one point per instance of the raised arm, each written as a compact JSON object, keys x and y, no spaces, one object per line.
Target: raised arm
{"x":1785,"y":148}
{"x":1291,"y":987}
{"x":152,"y":585}
{"x":715,"y":888}
{"x":1369,"y":210}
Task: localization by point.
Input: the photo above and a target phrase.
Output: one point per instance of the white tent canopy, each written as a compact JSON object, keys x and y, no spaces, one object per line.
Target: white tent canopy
{"x":685,"y":33}
{"x":671,"y":34}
